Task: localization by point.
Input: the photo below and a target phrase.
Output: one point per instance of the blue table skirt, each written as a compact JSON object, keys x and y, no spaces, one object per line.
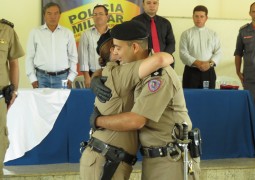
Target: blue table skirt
{"x":225,"y":117}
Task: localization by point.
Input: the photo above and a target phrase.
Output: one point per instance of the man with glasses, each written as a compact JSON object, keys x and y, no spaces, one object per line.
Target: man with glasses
{"x":88,"y":57}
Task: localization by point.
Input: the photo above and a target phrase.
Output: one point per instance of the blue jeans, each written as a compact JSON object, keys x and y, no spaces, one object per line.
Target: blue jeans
{"x":48,"y":81}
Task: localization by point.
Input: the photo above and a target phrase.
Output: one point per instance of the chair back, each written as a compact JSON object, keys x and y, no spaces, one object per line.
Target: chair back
{"x":78,"y":82}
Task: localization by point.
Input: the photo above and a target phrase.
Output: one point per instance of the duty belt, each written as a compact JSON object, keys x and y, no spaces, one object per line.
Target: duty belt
{"x":104,"y":149}
{"x":153,"y":152}
{"x":52,"y":73}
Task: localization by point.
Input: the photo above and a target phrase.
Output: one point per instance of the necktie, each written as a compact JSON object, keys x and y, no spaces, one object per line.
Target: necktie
{"x":154,"y":36}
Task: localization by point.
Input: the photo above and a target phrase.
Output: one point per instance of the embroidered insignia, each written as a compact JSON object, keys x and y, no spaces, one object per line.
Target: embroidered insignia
{"x":154,"y":85}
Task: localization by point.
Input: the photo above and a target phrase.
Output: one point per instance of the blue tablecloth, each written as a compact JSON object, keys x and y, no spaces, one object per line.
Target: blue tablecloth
{"x":226,"y":119}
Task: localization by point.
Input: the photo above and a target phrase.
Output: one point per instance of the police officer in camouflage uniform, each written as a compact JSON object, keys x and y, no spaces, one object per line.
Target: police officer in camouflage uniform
{"x":159,"y":106}
{"x":245,"y":49}
{"x":10,"y":51}
{"x":111,"y":154}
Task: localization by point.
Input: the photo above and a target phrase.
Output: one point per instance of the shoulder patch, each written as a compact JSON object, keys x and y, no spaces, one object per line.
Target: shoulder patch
{"x":244,"y":26}
{"x":154,"y":85}
{"x":4,"y":21}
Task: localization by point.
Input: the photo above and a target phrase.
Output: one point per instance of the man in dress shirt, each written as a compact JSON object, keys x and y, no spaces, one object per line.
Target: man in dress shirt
{"x":200,"y":51}
{"x":88,"y":57}
{"x":164,"y":28}
{"x":51,"y":52}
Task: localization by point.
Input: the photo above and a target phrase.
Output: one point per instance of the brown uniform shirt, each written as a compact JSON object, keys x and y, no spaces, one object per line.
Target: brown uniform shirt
{"x":122,"y":81}
{"x":161,"y":100}
{"x":10,"y":49}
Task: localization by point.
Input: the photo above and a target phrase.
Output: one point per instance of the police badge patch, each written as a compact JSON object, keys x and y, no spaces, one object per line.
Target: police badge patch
{"x":154,"y":85}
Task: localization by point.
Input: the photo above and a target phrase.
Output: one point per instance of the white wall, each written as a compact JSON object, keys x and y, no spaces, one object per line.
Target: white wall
{"x":225,"y":17}
{"x":25,"y":14}
{"x":226,"y":9}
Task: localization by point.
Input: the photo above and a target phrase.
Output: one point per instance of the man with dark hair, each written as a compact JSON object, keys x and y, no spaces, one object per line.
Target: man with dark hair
{"x":111,"y":154}
{"x":159,"y":106}
{"x":51,"y":52}
{"x":11,"y":50}
{"x":245,"y":49}
{"x":200,"y":51}
{"x":87,"y":55}
{"x":161,"y":33}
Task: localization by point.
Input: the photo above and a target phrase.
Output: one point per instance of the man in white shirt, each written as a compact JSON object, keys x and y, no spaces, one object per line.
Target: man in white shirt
{"x":88,"y":57}
{"x":51,"y":52}
{"x":200,"y":51}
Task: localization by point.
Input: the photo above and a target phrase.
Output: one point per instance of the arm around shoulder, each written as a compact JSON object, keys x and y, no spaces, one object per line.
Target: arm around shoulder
{"x":155,"y":62}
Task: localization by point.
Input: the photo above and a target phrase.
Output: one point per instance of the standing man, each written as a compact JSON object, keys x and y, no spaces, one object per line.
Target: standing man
{"x":88,"y":57}
{"x":245,"y":49}
{"x":159,"y":105}
{"x":160,"y":29}
{"x":111,"y":154}
{"x":51,"y":52}
{"x":11,"y":50}
{"x":200,"y":51}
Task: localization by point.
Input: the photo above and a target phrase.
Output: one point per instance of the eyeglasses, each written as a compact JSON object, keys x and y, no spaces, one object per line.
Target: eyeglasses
{"x":98,"y":14}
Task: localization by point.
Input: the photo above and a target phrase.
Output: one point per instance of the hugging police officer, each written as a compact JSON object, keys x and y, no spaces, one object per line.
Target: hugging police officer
{"x":10,"y":51}
{"x":159,"y":106}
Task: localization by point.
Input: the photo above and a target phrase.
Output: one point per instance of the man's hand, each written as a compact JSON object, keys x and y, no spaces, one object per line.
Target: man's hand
{"x":202,"y":65}
{"x":102,"y":92}
{"x":69,"y":84}
{"x":14,"y":95}
{"x":87,"y":82}
{"x":35,"y":84}
{"x":93,"y":117}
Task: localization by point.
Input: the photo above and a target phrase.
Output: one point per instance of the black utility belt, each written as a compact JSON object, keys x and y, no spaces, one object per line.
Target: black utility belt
{"x":52,"y":73}
{"x":111,"y":152}
{"x":153,"y":152}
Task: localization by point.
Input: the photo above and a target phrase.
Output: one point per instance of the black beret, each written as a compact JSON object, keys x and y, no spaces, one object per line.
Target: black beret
{"x":103,"y":39}
{"x":129,"y":30}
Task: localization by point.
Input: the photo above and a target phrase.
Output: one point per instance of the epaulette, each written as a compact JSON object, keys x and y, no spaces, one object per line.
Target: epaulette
{"x":4,"y":21}
{"x":157,"y":73}
{"x":244,"y":26}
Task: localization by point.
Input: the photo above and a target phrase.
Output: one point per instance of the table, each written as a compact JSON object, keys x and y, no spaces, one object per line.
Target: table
{"x":71,"y":127}
{"x":226,"y":119}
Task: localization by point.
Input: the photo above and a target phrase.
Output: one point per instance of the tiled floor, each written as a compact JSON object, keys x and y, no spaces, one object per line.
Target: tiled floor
{"x":223,"y":169}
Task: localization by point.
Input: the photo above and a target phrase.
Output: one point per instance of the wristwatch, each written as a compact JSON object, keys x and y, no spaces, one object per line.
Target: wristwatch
{"x":211,"y":63}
